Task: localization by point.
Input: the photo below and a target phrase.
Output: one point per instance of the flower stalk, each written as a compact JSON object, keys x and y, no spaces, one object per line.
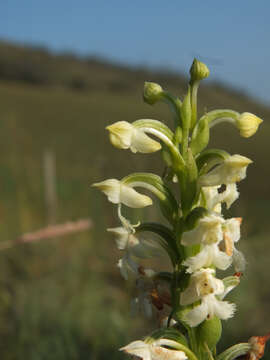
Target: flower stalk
{"x":189,"y":297}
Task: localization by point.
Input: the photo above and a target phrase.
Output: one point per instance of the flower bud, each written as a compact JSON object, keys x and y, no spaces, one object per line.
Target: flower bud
{"x":124,"y":135}
{"x":198,"y":71}
{"x":248,"y":124}
{"x":152,"y":92}
{"x":119,"y":193}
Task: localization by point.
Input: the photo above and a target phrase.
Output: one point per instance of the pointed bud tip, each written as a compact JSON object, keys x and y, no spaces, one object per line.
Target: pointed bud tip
{"x":198,"y":71}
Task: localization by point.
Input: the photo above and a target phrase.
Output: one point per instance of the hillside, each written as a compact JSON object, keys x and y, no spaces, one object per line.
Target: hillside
{"x":55,"y":294}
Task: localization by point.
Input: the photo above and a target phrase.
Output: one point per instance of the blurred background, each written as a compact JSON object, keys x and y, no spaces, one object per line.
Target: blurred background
{"x":67,"y":70}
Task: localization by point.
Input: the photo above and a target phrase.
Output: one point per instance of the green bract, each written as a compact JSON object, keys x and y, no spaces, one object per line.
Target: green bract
{"x":188,"y":299}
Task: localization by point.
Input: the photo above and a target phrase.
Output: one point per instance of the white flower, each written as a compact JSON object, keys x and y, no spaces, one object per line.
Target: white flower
{"x":208,"y":231}
{"x":248,"y":124}
{"x":119,"y":193}
{"x":209,"y":255}
{"x":233,"y":169}
{"x":204,"y":286}
{"x":231,"y":229}
{"x":124,"y":135}
{"x":213,"y":198}
{"x":133,"y":246}
{"x":126,"y":265}
{"x":155,"y":350}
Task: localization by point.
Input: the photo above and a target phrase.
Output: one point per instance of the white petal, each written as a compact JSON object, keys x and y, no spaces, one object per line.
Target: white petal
{"x":133,"y":198}
{"x":143,"y":143}
{"x":239,"y":261}
{"x":122,"y":236}
{"x":203,"y":258}
{"x":197,"y":315}
{"x":211,"y":196}
{"x":111,"y":188}
{"x":138,"y":348}
{"x":161,"y":353}
{"x":170,"y":354}
{"x":232,"y":228}
{"x":126,"y":265}
{"x":232,"y":170}
{"x":222,"y":309}
{"x":208,"y":231}
{"x":220,"y":259}
{"x":121,"y":134}
{"x":230,"y":195}
{"x":190,"y":294}
{"x":209,"y":255}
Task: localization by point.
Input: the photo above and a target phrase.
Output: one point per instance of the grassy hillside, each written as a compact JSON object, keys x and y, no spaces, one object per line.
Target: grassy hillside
{"x":65,"y":297}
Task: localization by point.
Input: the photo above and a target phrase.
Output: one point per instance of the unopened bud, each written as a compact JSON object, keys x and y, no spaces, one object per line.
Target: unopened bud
{"x":198,"y":71}
{"x":152,"y":92}
{"x":248,"y":124}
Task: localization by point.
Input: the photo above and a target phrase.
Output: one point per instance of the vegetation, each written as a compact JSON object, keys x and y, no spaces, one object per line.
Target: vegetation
{"x":56,"y":295}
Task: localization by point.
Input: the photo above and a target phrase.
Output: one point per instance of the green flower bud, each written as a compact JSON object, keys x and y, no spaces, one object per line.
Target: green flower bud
{"x":209,"y":332}
{"x":198,"y":71}
{"x":248,"y":124}
{"x":152,"y":92}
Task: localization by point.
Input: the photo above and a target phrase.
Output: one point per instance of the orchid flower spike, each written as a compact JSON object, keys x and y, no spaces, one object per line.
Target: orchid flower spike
{"x":124,"y":135}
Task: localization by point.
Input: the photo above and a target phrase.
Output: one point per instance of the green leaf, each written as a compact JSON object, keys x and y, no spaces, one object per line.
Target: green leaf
{"x":234,"y":351}
{"x":200,"y":136}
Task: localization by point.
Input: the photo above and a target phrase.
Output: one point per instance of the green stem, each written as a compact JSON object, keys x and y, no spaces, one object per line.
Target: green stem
{"x":194,"y":91}
{"x":217,"y":116}
{"x":175,"y":105}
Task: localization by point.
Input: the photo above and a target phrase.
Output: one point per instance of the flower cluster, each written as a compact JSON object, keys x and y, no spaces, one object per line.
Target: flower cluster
{"x":188,"y":300}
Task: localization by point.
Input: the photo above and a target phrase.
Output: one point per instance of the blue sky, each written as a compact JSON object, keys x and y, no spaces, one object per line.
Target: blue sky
{"x":232,"y":37}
